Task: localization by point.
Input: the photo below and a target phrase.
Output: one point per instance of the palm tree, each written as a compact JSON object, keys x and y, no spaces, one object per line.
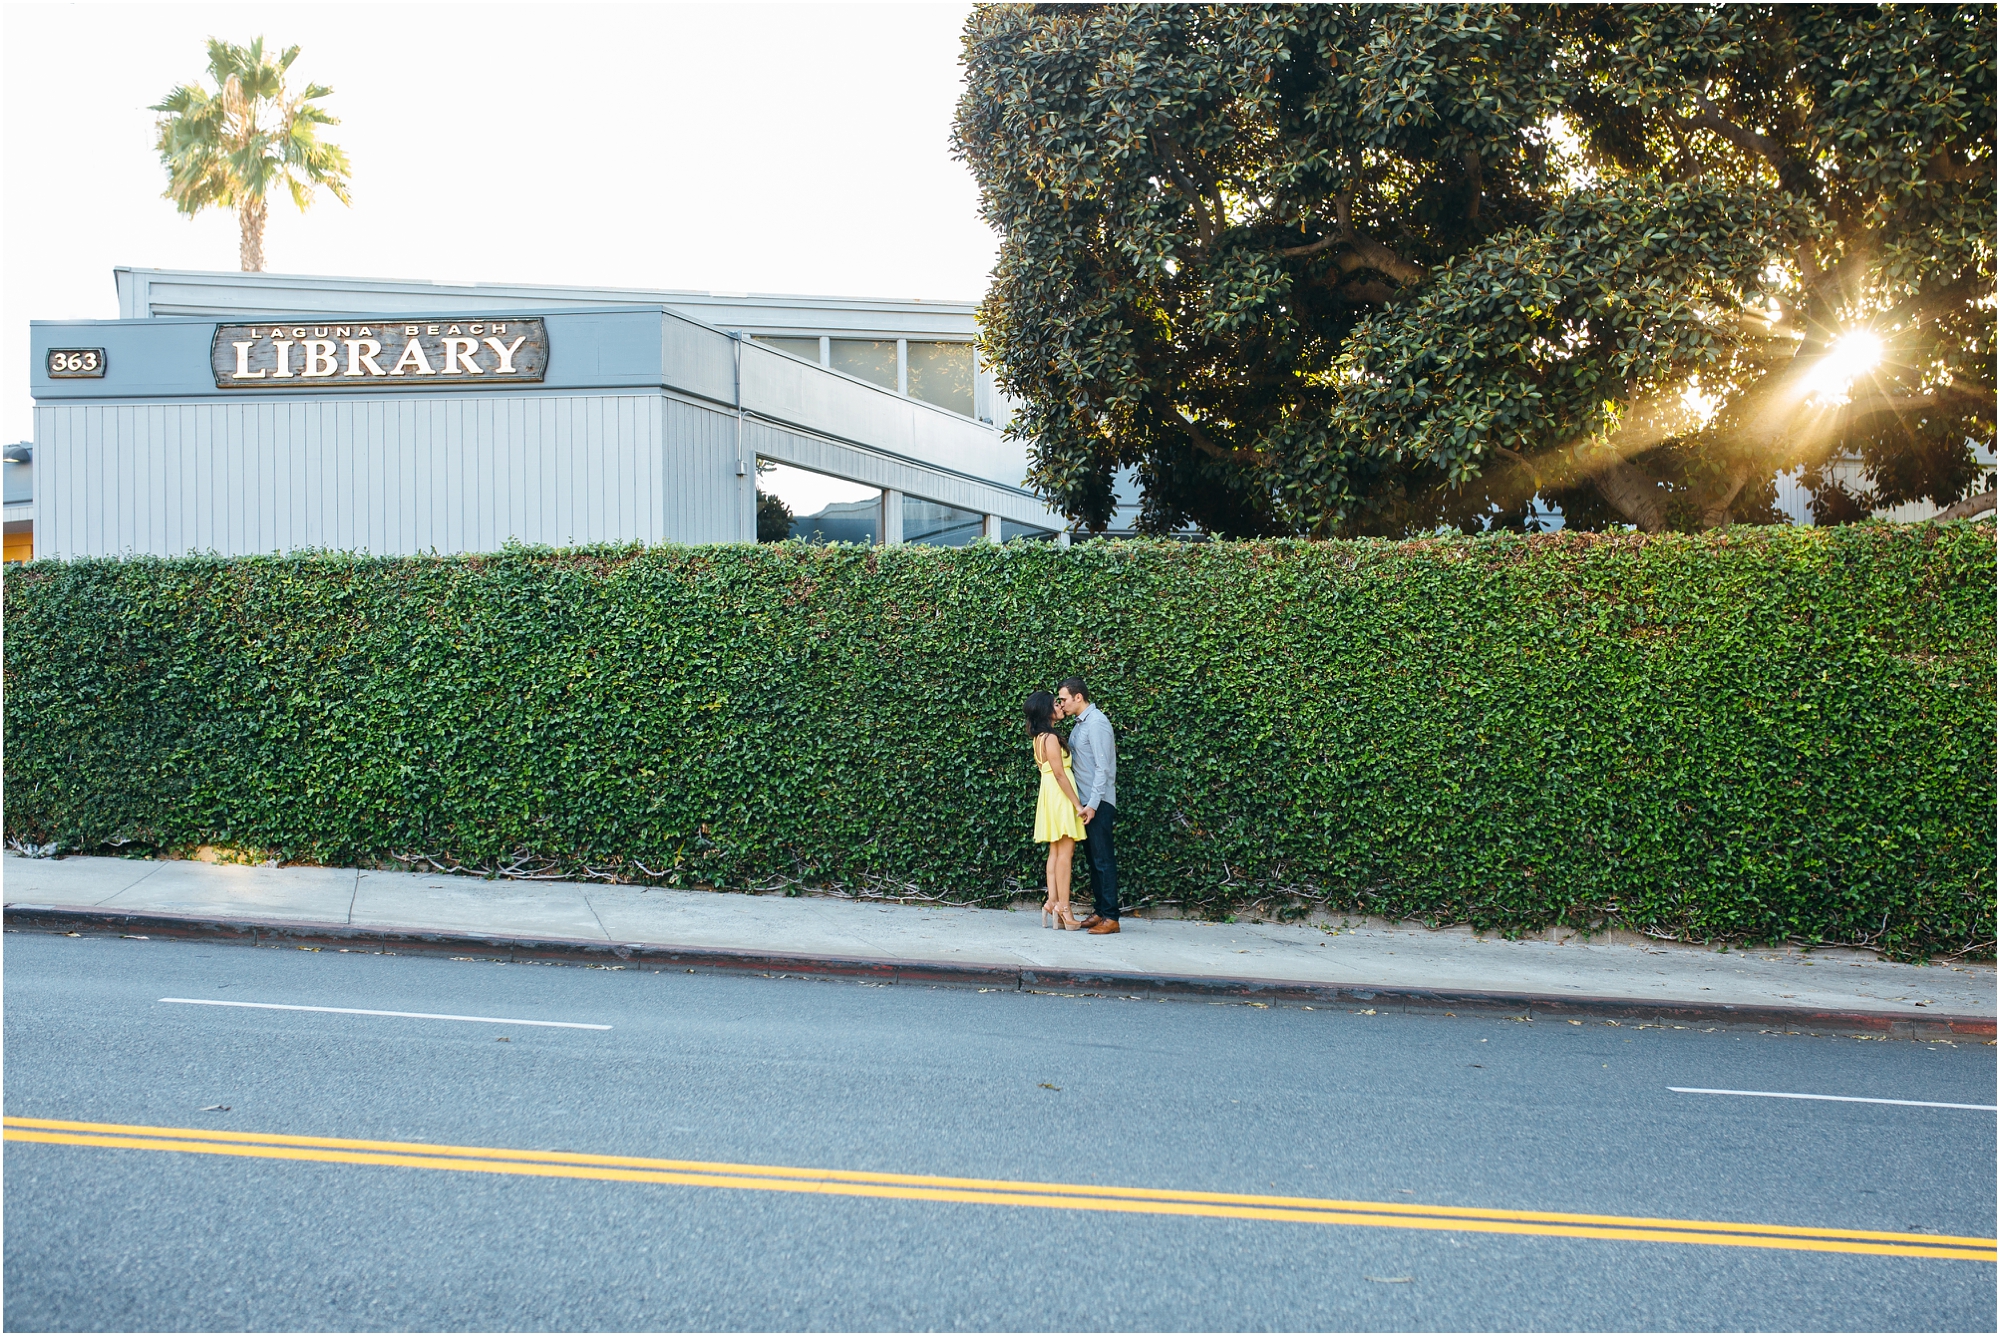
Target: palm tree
{"x":229,"y":147}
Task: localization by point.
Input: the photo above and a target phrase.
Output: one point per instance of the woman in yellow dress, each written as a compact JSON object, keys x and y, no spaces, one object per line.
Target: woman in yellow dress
{"x":1058,"y":815}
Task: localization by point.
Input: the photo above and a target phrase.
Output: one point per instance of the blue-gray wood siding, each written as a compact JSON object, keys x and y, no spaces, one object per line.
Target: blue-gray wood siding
{"x":387,"y":476}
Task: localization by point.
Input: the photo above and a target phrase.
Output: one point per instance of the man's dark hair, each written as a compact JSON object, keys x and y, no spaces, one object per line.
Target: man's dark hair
{"x":1074,"y":686}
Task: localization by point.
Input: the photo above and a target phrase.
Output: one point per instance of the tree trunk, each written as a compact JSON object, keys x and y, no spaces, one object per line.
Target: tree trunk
{"x":1632,"y":494}
{"x":1715,"y":512}
{"x":250,"y":216}
{"x":1966,"y":509}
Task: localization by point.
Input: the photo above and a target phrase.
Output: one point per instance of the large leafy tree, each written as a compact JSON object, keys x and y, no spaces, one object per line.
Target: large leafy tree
{"x":233,"y":145}
{"x":1358,"y":268}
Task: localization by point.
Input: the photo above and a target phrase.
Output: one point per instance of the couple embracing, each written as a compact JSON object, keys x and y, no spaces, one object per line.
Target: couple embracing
{"x":1078,"y":802}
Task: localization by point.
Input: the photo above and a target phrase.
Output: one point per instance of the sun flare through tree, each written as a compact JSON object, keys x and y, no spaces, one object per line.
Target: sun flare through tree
{"x":1352,"y":269}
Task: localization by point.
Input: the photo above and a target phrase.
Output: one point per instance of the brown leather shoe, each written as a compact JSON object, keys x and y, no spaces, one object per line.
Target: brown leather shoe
{"x":1103,"y":926}
{"x":1092,"y":921}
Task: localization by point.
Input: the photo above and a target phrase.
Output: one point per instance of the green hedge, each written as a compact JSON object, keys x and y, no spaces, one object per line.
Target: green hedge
{"x":1759,"y":734}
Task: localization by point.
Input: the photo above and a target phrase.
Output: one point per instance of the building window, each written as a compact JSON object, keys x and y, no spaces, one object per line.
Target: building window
{"x":935,"y":372}
{"x":939,"y":525}
{"x":941,"y":374}
{"x":804,"y":349}
{"x":20,"y":521}
{"x":872,"y":360}
{"x":824,"y":509}
{"x":1009,"y":531}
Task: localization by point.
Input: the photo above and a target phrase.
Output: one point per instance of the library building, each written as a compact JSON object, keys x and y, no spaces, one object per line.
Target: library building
{"x":255,"y":413}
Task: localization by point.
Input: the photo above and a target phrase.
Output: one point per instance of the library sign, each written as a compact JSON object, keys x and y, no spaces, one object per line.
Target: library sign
{"x":309,"y":354}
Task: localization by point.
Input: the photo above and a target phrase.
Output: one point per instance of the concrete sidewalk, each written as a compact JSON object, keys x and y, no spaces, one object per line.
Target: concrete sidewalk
{"x":1380,"y":967}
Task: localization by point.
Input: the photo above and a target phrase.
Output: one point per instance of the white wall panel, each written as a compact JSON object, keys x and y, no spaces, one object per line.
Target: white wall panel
{"x":409,"y":475}
{"x":388,"y":476}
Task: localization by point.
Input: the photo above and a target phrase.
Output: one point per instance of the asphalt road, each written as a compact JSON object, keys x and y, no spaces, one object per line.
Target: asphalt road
{"x":1282,"y":1101}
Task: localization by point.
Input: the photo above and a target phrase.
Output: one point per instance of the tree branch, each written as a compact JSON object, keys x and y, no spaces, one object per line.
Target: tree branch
{"x":1632,"y":494}
{"x":1477,"y":176}
{"x":1936,"y":301}
{"x":1207,"y":229}
{"x":1635,"y":495}
{"x":1520,"y":461}
{"x":1966,"y":509}
{"x":1326,"y":242}
{"x":1344,"y":231}
{"x":1364,"y":292}
{"x":1374,"y":255}
{"x":1951,"y":396}
{"x":1360,"y":254}
{"x":1790,"y":175}
{"x":1715,"y":506}
{"x":1208,"y":447}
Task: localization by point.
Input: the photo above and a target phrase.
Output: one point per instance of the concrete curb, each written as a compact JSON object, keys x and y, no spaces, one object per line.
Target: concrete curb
{"x":1395,"y":998}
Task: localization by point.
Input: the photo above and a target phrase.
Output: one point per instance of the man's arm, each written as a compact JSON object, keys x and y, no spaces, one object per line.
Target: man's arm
{"x":1095,"y":741}
{"x":1083,"y":760}
{"x":1109,"y":770}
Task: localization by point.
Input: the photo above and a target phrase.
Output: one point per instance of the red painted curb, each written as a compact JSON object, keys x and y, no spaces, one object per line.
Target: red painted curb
{"x":1399,"y":997}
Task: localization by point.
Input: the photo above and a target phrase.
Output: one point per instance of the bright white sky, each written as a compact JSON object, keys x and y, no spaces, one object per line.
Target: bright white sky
{"x":741,"y":147}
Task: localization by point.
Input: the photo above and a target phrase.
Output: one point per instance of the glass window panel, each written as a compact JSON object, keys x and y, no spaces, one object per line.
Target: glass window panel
{"x":941,"y":374}
{"x":841,"y":522}
{"x":807,"y":349}
{"x":1009,"y":531}
{"x":864,"y":359}
{"x":824,"y":509}
{"x":20,"y":483}
{"x":939,"y":525}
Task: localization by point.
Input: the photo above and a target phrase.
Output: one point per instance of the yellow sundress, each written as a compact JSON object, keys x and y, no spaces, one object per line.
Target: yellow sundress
{"x":1055,"y":818}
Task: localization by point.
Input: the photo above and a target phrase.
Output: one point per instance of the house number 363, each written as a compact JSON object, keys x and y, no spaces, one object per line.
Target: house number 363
{"x":76,"y":362}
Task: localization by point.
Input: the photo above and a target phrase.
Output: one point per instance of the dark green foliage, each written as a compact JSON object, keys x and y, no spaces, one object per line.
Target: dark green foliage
{"x":774,"y":518}
{"x":1751,"y":734}
{"x":1336,"y":269}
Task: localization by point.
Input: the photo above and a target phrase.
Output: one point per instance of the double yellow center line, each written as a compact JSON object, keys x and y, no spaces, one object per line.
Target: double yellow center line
{"x":990,"y":1192}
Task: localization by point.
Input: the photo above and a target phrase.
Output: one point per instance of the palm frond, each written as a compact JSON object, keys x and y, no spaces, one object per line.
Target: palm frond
{"x":227,"y":146}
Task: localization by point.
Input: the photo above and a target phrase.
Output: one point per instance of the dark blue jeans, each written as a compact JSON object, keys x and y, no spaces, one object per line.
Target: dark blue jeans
{"x":1102,"y":860}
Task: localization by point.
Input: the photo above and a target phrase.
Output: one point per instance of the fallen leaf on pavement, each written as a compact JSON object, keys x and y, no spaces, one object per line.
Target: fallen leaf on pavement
{"x":215,"y":1108}
{"x":1047,"y":1086}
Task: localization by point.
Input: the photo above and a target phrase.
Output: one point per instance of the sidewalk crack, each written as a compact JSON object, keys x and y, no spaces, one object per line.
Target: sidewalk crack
{"x":353,"y":896}
{"x":135,"y":881}
{"x":591,"y":905}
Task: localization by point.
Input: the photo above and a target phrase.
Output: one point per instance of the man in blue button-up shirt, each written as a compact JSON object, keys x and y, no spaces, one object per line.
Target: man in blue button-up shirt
{"x":1093,"y":753}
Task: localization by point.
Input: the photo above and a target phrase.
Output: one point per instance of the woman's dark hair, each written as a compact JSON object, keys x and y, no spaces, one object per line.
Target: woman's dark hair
{"x":1041,"y":712}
